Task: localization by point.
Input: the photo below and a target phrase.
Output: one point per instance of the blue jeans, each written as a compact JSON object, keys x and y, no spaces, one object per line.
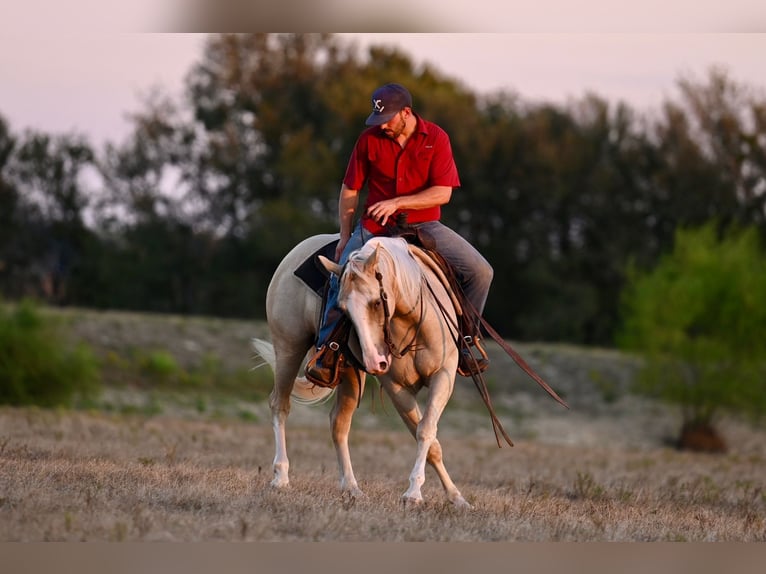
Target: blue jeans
{"x":471,"y":269}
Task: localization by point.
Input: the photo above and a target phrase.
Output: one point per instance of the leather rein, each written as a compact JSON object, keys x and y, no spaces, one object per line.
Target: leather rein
{"x":462,"y":345}
{"x":387,"y":316}
{"x":454,"y":330}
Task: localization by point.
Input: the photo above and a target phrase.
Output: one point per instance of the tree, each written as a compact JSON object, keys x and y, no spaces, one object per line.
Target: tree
{"x":275,"y":119}
{"x":9,"y":202}
{"x":209,"y":191}
{"x":557,"y":191}
{"x":728,"y":120}
{"x":698,"y":318}
{"x":141,"y":175}
{"x":49,"y":175}
{"x":268,"y":124}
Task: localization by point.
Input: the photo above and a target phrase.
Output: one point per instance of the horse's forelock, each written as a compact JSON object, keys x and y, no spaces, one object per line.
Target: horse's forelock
{"x":404,"y":271}
{"x":355,"y":267}
{"x":396,"y":265}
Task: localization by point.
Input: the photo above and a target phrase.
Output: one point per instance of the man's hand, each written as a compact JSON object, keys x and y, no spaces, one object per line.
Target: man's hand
{"x":382,"y":210}
{"x":341,"y":246}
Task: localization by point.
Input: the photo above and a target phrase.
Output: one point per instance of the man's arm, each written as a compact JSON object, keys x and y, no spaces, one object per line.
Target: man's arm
{"x":429,"y":197}
{"x":347,"y":203}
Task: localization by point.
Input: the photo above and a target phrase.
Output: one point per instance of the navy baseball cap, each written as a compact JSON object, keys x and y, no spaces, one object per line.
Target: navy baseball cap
{"x":387,"y":101}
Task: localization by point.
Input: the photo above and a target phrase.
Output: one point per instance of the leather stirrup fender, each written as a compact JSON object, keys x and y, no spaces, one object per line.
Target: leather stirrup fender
{"x":330,"y":359}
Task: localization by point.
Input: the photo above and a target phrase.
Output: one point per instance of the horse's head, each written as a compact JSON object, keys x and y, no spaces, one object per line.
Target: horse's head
{"x":370,"y":290}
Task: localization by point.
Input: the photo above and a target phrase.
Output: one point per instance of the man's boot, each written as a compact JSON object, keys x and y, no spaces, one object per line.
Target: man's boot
{"x":323,"y":368}
{"x":468,"y":364}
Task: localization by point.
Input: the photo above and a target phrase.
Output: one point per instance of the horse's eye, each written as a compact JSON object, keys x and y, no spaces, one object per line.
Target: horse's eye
{"x":376,"y":305}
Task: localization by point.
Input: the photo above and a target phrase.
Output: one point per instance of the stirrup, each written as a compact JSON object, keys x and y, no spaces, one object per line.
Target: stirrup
{"x":476,"y":342}
{"x":468,"y":365}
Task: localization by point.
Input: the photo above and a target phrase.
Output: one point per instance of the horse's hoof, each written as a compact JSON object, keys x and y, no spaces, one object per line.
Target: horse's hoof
{"x":357,"y":493}
{"x":411,"y":502}
{"x":348,"y":498}
{"x":461,"y":503}
{"x":280,"y":483}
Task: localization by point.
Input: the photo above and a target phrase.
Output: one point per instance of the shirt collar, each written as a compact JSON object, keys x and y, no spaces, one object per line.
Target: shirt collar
{"x":420,"y":129}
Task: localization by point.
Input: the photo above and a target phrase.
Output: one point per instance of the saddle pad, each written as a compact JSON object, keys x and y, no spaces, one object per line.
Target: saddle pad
{"x":311,"y":271}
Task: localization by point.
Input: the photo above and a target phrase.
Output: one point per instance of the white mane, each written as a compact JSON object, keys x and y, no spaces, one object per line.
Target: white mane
{"x":397,"y":265}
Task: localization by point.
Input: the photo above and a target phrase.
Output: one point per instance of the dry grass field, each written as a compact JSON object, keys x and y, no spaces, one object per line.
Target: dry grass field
{"x":75,"y":476}
{"x":602,"y":471}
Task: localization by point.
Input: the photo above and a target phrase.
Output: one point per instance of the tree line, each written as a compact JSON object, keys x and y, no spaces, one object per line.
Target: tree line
{"x":193,"y":211}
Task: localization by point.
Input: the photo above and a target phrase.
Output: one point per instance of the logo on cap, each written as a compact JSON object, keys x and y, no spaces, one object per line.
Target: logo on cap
{"x":386,"y":102}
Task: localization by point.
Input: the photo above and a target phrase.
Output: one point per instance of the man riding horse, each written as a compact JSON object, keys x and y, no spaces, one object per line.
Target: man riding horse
{"x":407,"y":164}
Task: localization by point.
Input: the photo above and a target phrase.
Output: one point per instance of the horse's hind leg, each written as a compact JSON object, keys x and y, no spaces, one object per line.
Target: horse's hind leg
{"x":286,"y":368}
{"x":346,"y":401}
{"x":407,"y":407}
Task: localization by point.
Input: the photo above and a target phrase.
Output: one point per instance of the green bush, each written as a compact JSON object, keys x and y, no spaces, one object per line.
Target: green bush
{"x":699,"y":318}
{"x":37,"y":366}
{"x":160,"y":366}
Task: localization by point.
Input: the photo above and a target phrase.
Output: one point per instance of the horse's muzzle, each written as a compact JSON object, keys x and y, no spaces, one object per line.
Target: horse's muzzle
{"x":378,"y":365}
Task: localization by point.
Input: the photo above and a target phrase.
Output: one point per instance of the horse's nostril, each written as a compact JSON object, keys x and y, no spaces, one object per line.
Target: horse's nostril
{"x":383,"y":365}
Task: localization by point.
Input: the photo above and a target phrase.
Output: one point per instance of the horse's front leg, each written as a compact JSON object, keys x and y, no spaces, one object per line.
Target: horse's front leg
{"x":408,"y":409}
{"x":347,"y":399}
{"x":440,"y":391}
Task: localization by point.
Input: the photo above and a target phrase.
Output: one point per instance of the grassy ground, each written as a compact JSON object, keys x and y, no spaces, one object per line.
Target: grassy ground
{"x":184,"y":459}
{"x":76,"y":476}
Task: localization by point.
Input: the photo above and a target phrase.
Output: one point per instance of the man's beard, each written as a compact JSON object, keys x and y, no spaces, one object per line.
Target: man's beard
{"x":395,"y":132}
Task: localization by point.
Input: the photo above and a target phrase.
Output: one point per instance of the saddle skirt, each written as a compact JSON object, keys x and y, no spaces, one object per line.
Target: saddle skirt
{"x":311,"y":272}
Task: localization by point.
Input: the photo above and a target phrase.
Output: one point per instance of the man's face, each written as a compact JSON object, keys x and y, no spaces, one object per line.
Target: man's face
{"x":394,"y":127}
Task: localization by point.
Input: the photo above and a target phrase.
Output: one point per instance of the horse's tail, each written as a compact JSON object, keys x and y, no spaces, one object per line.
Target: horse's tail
{"x":304,"y":392}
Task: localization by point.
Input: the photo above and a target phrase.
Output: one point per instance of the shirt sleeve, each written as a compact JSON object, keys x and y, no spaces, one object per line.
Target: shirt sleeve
{"x":443,"y":168}
{"x":357,"y":168}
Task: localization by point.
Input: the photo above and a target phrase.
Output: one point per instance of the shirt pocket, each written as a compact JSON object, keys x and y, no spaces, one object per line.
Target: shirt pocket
{"x":381,"y":167}
{"x":421,"y":167}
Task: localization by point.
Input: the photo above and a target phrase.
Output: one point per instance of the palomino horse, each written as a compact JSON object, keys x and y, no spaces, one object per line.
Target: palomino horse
{"x":405,"y":322}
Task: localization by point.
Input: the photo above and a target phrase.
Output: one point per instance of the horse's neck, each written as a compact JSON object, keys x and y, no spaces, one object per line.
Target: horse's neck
{"x":438,"y":293}
{"x":430,"y":305}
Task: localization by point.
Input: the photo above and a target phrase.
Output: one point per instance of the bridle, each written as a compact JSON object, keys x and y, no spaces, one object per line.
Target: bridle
{"x":387,"y":319}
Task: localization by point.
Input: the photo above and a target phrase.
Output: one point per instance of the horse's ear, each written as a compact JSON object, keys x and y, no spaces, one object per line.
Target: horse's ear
{"x":372,"y":260}
{"x":331,"y":266}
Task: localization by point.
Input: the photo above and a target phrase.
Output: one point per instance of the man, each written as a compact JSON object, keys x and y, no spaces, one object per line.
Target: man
{"x":409,"y":169}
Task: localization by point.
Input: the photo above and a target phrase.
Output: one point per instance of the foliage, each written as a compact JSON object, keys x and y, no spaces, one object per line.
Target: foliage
{"x":160,"y":370}
{"x":46,"y":249}
{"x":36,"y":365}
{"x":194,"y":210}
{"x":160,"y":365}
{"x":699,"y":317}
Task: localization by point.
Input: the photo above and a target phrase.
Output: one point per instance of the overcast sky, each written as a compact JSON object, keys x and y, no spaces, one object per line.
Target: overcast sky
{"x":78,"y":80}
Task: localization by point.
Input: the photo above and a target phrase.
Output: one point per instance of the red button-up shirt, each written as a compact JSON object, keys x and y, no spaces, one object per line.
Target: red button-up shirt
{"x":390,"y":170}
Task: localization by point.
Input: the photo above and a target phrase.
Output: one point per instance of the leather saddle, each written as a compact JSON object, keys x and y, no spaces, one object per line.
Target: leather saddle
{"x":316,"y":277}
